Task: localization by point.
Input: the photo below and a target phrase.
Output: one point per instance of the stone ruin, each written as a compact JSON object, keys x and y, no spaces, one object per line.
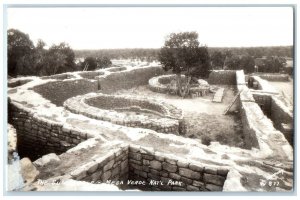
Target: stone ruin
{"x":81,"y":137}
{"x":165,"y":84}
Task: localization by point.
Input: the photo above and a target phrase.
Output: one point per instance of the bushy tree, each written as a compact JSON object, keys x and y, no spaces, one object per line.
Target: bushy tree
{"x":247,"y":64}
{"x":19,"y":49}
{"x":182,"y":54}
{"x":218,"y":59}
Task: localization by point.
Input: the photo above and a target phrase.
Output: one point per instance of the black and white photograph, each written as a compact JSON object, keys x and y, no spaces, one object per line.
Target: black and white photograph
{"x":136,"y":99}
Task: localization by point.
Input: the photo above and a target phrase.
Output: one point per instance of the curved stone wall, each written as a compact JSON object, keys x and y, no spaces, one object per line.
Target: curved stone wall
{"x":143,"y":112}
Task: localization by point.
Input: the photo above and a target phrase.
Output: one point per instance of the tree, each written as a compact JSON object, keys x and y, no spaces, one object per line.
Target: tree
{"x":19,"y":46}
{"x":103,"y":62}
{"x":58,"y":59}
{"x":218,"y":59}
{"x":182,"y":54}
{"x":247,"y":63}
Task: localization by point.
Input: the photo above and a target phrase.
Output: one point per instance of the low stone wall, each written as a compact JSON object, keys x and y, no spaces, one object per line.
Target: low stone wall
{"x":59,"y":91}
{"x":63,"y":76}
{"x":281,"y":116}
{"x":262,"y":84}
{"x":101,"y":106}
{"x":161,"y":84}
{"x":222,"y":77}
{"x":264,"y":101}
{"x":160,"y":172}
{"x":40,"y":136}
{"x":111,"y":168}
{"x":272,"y":76}
{"x":128,"y":78}
{"x":91,"y":74}
{"x":116,"y":69}
{"x":18,"y":82}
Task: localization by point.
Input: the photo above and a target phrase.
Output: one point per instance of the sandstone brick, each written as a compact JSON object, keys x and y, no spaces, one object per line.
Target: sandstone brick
{"x":147,"y":157}
{"x":192,"y":188}
{"x":146,"y":162}
{"x":171,"y":161}
{"x":135,"y":156}
{"x":214,"y":179}
{"x":135,"y":166}
{"x":124,"y":164}
{"x":115,"y":171}
{"x":222,"y":172}
{"x":186,"y":180}
{"x":210,"y":170}
{"x":198,"y":184}
{"x":108,"y":165}
{"x":175,"y":176}
{"x":182,"y":164}
{"x":212,"y":187}
{"x":169,"y":167}
{"x":196,"y":168}
{"x":106,"y":175}
{"x":189,"y":173}
{"x":155,"y":164}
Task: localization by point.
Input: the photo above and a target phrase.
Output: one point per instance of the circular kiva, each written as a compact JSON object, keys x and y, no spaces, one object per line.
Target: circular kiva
{"x":167,"y":84}
{"x":129,"y":111}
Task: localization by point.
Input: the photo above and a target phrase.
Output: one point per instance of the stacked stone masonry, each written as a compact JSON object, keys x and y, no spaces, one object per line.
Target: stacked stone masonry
{"x":162,"y":84}
{"x":106,"y":107}
{"x":41,"y":135}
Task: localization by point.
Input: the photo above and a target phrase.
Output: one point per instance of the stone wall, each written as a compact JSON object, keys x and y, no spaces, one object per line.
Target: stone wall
{"x":272,"y":76}
{"x":90,"y":74}
{"x":160,"y":172}
{"x":137,"y":167}
{"x":111,"y":168}
{"x":63,"y":76}
{"x":282,"y":116}
{"x":161,"y":84}
{"x":128,"y":79}
{"x":59,"y":91}
{"x":39,"y":136}
{"x":222,"y":77}
{"x":163,"y":117}
{"x":265,"y":102}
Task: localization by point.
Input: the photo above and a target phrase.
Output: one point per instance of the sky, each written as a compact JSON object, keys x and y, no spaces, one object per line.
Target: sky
{"x":102,"y":28}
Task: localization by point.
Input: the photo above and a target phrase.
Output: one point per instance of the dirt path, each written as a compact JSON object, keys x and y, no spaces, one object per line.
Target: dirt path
{"x":286,"y":88}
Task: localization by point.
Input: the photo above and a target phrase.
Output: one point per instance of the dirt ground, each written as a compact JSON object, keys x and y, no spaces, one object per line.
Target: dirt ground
{"x":205,"y":119}
{"x":285,"y":88}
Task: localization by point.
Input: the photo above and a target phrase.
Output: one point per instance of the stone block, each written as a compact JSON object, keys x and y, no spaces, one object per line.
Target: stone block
{"x":192,"y":188}
{"x":198,"y":184}
{"x":189,"y":173}
{"x":155,"y":164}
{"x":222,"y":172}
{"x":210,"y":171}
{"x":174,"y":176}
{"x":115,"y":171}
{"x":109,"y":165}
{"x":186,"y":180}
{"x":135,"y":156}
{"x":169,"y":167}
{"x":211,"y":187}
{"x":196,"y":168}
{"x":214,"y":179}
{"x":106,"y":175}
{"x":92,"y":167}
{"x":182,"y":164}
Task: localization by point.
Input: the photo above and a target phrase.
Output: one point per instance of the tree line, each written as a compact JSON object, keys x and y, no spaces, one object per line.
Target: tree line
{"x":25,"y":58}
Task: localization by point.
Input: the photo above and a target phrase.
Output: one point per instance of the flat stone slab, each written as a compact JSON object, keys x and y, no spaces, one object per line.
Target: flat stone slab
{"x":219,"y":95}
